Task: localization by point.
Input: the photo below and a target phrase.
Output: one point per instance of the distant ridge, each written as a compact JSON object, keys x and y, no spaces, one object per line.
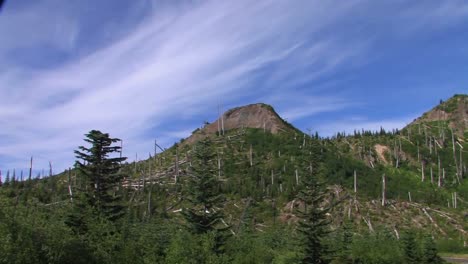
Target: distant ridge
{"x":454,"y":111}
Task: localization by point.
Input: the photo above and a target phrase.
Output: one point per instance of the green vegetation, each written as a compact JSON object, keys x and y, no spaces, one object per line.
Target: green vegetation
{"x":248,"y":196}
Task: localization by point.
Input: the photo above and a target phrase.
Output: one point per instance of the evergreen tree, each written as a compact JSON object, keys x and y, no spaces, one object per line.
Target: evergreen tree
{"x":101,"y":173}
{"x":314,"y":224}
{"x":429,"y":254}
{"x":345,"y":243}
{"x":13,"y":179}
{"x":410,"y":249}
{"x":205,"y":213}
{"x":7,"y":178}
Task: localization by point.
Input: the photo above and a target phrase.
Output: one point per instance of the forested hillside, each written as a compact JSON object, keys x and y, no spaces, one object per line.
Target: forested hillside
{"x":251,"y":188}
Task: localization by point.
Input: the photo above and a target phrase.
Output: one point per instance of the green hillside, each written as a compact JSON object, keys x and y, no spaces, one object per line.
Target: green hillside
{"x":260,"y":176}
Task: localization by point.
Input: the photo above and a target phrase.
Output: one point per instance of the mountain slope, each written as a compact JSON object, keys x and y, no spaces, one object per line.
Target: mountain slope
{"x":454,"y":111}
{"x":261,"y":162}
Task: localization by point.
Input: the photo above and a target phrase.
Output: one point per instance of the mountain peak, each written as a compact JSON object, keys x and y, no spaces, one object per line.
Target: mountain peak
{"x":258,"y":115}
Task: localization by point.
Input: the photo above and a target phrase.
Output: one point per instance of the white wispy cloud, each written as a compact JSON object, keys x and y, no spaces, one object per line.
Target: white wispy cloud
{"x":175,"y":64}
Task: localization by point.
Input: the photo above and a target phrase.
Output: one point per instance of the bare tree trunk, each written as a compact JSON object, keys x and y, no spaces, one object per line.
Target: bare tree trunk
{"x":176,"y":167}
{"x":409,"y":197}
{"x":397,"y":156}
{"x":355,"y":182}
{"x":50,"y":169}
{"x":383,"y":189}
{"x":461,"y":161}
{"x":250,"y":156}
{"x":136,"y":160}
{"x":219,"y":121}
{"x":397,"y":235}
{"x":70,"y":192}
{"x":455,"y":200}
{"x":455,"y":156}
{"x":297,"y":178}
{"x":439,"y":183}
{"x":222,"y":122}
{"x":422,"y":171}
{"x":432,"y":176}
{"x":219,"y":166}
{"x":30,"y":168}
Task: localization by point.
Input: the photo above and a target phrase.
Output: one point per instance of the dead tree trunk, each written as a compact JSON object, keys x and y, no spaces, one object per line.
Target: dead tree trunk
{"x":461,"y":161}
{"x":136,"y":160}
{"x":383,"y":189}
{"x":455,"y":200}
{"x":355,"y":182}
{"x":30,"y":168}
{"x":422,"y":171}
{"x":219,"y":166}
{"x":454,"y":152}
{"x":70,"y":192}
{"x":50,"y":169}
{"x":432,"y":175}
{"x":222,"y":123}
{"x":250,"y":156}
{"x":297,"y":178}
{"x":439,"y":182}
{"x":176,"y":167}
{"x":397,"y":153}
{"x":219,"y":121}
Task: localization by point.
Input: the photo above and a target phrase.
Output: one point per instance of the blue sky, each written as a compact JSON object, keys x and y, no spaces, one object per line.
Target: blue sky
{"x":141,"y":70}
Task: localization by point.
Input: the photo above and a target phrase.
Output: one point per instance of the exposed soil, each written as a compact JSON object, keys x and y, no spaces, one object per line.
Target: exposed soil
{"x":381,"y":149}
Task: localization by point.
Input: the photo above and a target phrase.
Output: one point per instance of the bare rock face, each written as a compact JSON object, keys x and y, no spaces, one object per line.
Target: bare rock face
{"x":454,"y":110}
{"x":258,"y":115}
{"x":251,"y":116}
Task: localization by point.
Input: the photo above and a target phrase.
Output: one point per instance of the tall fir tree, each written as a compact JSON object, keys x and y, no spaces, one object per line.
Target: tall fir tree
{"x":429,"y":254}
{"x":314,"y":224}
{"x":346,"y":242}
{"x":203,"y":193}
{"x":101,"y":173}
{"x":410,"y":247}
{"x":7,"y":178}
